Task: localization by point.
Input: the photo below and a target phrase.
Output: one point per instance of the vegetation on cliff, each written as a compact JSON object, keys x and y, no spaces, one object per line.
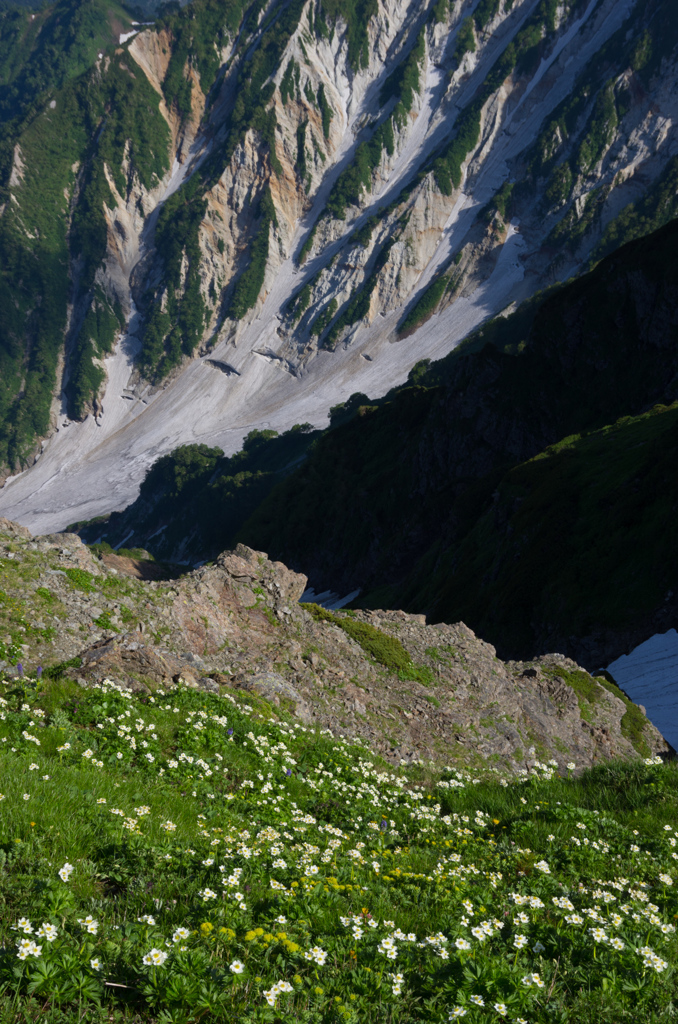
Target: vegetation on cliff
{"x":196,"y":500}
{"x":453,"y":445}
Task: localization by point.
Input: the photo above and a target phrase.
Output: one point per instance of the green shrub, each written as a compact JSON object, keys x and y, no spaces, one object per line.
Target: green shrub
{"x":300,"y":165}
{"x":466,"y":40}
{"x":250,"y":282}
{"x":326,"y":111}
{"x":356,"y":14}
{"x":424,"y":306}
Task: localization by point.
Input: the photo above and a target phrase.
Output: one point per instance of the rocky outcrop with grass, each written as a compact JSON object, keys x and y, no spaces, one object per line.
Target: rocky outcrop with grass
{"x":407,"y":689}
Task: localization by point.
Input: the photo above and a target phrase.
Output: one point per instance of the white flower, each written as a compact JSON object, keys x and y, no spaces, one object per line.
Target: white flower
{"x":24,"y":925}
{"x":538,"y":948}
{"x":533,"y":979}
{"x":462,"y":944}
{"x":501,"y":1008}
{"x":542,"y":866}
{"x":95,"y":964}
{"x":181,"y":933}
{"x":155,"y":958}
{"x":89,"y":923}
{"x":28,"y":948}
{"x":65,"y":872}
{"x":457,"y":1012}
{"x":237,"y":967}
{"x":519,"y":941}
{"x":27,"y":796}
{"x":478,"y":1000}
{"x":47,"y":931}
{"x":207,"y":894}
{"x":666,"y":879}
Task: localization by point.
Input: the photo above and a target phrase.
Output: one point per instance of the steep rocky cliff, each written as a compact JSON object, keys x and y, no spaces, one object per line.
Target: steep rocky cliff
{"x":249,"y":205}
{"x":407,"y":689}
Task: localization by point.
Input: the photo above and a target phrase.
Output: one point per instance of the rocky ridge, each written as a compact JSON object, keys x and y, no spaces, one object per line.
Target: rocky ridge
{"x":236,"y":626}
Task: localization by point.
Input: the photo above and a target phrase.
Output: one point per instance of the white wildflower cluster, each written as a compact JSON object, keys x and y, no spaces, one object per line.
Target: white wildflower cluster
{"x":280,"y":987}
{"x":155,"y":958}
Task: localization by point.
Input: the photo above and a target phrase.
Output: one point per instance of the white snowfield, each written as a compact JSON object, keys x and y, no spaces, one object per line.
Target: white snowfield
{"x":94,"y":467}
{"x":649,"y":676}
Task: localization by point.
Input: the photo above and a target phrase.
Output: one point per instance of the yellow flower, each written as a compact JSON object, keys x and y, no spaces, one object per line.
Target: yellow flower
{"x":250,"y":936}
{"x":206,"y":927}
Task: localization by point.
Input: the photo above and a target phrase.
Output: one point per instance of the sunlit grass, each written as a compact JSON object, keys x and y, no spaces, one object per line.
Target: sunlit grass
{"x":196,"y":834}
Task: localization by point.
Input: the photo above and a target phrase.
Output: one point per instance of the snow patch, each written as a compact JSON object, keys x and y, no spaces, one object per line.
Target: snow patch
{"x":649,"y":676}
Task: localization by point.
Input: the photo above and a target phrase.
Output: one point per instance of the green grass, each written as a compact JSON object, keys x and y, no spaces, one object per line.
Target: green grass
{"x":590,"y":517}
{"x":424,"y":854}
{"x":383,"y":647}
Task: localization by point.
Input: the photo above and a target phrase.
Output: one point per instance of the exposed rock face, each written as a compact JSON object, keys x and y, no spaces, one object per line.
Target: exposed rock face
{"x":237,"y":624}
{"x":558,"y":144}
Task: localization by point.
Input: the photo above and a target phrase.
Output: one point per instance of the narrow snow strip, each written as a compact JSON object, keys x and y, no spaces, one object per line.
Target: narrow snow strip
{"x":649,"y":675}
{"x":327,"y":599}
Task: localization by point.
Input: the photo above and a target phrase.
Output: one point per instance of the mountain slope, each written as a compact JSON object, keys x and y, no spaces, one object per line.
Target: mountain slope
{"x":413,"y":495}
{"x":317,"y":181}
{"x":441,"y":497}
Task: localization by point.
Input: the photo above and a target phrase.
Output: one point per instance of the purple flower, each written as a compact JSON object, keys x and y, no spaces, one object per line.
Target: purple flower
{"x":229,"y":732}
{"x":20,"y":669}
{"x":38,"y":671}
{"x":288,"y":772}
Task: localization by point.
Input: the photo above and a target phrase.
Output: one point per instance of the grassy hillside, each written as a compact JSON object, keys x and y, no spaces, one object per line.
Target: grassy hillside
{"x":579,"y":538}
{"x":182,"y":855}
